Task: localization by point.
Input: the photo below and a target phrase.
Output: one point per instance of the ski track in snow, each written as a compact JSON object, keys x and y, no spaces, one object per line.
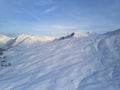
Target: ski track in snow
{"x":79,"y":63}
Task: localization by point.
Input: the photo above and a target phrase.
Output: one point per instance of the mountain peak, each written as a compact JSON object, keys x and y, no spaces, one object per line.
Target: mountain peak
{"x":3,"y":40}
{"x":30,"y":39}
{"x":77,"y":34}
{"x":80,"y":34}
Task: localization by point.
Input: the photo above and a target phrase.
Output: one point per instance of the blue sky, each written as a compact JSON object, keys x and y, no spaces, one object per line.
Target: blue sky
{"x":54,"y":17}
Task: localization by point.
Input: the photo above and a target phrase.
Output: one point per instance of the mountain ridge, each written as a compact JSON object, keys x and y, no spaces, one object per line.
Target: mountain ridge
{"x":82,"y":63}
{"x":30,"y":39}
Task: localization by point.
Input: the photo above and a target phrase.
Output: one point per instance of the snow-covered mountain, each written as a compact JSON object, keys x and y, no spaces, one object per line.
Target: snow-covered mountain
{"x":3,"y":40}
{"x":88,"y":62}
{"x":25,"y":39}
{"x":78,"y":34}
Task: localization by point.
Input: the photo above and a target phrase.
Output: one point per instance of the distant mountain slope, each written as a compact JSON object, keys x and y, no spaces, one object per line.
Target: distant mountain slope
{"x":77,"y":63}
{"x":77,"y":34}
{"x":116,"y":32}
{"x":25,"y":39}
{"x":3,"y":40}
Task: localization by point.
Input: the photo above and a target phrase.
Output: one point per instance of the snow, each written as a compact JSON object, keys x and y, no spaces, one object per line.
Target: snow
{"x":78,"y":34}
{"x":25,"y":39}
{"x":83,"y":34}
{"x":78,"y":63}
{"x":3,"y":40}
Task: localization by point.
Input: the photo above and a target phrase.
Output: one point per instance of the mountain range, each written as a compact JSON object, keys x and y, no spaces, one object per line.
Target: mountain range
{"x":79,"y":61}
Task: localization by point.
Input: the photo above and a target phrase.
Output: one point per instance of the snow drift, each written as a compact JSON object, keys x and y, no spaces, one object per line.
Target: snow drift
{"x":91,"y":62}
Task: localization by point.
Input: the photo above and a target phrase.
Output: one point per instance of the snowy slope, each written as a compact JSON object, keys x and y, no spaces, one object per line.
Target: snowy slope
{"x":77,"y":63}
{"x":3,"y":40}
{"x":25,"y":39}
{"x":78,"y":34}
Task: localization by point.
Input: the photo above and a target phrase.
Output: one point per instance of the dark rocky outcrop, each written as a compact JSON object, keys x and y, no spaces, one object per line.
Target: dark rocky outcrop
{"x":1,"y":51}
{"x":3,"y":62}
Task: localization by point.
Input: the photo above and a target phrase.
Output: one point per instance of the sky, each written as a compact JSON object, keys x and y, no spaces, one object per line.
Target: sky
{"x":54,"y":17}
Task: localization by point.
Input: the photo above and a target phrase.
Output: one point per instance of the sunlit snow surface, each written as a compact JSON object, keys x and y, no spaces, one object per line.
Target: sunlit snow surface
{"x":78,"y":63}
{"x":3,"y":40}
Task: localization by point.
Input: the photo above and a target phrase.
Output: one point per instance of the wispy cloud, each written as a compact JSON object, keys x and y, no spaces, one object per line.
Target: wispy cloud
{"x":48,"y":10}
{"x":48,"y":5}
{"x":44,"y":2}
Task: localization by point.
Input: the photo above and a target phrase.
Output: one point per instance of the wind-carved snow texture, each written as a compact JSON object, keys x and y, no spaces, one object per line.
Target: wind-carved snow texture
{"x":109,"y":77}
{"x":91,"y":62}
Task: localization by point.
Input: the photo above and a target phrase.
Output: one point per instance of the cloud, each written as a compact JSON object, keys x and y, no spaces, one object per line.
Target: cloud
{"x":48,"y":5}
{"x":48,"y":10}
{"x":44,"y":2}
